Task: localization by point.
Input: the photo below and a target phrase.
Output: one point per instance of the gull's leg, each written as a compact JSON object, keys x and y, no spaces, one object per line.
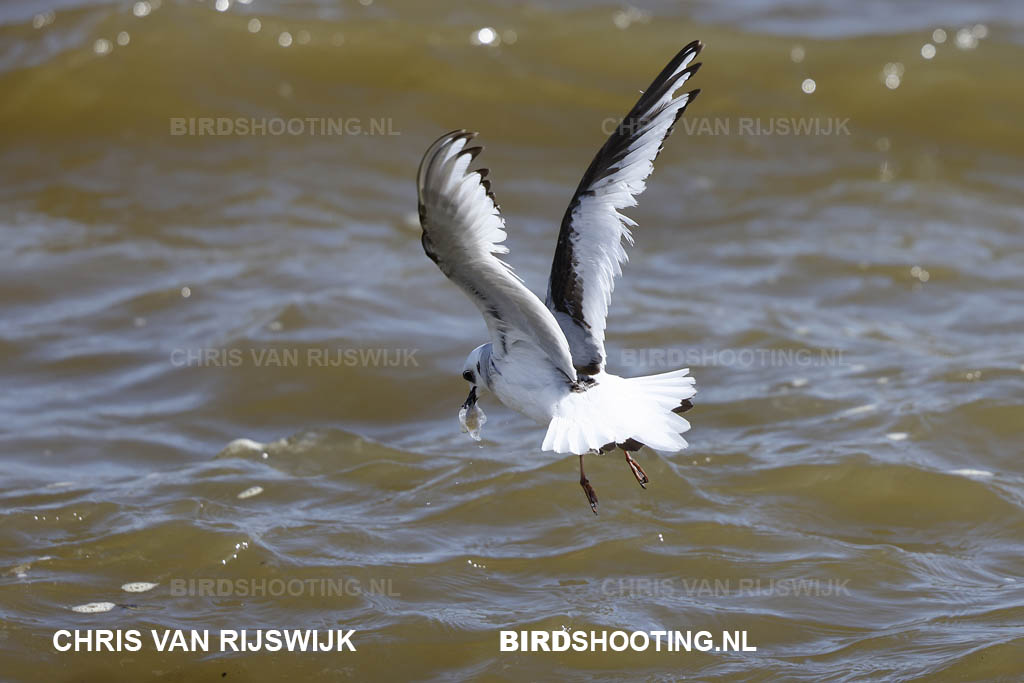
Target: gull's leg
{"x":587,"y":488}
{"x":638,"y":472}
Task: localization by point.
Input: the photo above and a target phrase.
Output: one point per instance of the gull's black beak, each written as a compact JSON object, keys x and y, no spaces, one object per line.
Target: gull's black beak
{"x":471,"y":399}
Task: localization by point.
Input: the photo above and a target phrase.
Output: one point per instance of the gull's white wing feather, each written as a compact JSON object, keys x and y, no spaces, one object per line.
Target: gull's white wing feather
{"x":462,"y":232}
{"x":590,"y":250}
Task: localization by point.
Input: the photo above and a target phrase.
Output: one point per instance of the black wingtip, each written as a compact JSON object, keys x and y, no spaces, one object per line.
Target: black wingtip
{"x":486,"y":182}
{"x":436,"y":147}
{"x":676,"y":81}
{"x":473,"y":152}
{"x":453,"y":135}
{"x":691,"y":50}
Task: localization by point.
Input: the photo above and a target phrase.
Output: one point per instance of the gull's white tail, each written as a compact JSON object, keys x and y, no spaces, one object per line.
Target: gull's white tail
{"x":616,"y":409}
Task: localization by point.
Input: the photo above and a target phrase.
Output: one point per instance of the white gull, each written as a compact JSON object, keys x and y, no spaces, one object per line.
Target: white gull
{"x":547,"y":360}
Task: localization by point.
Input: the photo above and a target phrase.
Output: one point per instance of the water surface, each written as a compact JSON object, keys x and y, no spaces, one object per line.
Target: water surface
{"x":848,"y":296}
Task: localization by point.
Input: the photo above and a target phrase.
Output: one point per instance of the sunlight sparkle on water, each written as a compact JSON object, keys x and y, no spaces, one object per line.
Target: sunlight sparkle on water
{"x":624,"y":18}
{"x":892,"y":74}
{"x":966,"y":40}
{"x":485,"y":36}
{"x":44,"y":19}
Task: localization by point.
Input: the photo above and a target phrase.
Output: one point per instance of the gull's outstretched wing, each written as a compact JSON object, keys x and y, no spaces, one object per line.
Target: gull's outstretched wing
{"x":590,"y":252}
{"x":462,"y":232}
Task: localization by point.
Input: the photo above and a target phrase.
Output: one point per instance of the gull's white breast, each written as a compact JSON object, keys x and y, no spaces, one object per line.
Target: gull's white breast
{"x":524,"y":381}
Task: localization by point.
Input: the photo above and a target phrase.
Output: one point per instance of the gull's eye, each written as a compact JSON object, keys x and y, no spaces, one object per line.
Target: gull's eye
{"x":468,"y":375}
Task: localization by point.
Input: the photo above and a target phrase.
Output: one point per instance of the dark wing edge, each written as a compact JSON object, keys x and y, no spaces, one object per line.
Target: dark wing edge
{"x":589,"y":251}
{"x":463,"y":232}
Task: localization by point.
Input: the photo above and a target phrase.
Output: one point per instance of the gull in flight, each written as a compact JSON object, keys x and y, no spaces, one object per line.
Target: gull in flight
{"x":547,"y":360}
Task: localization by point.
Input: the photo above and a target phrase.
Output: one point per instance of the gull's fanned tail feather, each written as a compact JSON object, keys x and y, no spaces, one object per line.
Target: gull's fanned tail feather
{"x":615,"y":410}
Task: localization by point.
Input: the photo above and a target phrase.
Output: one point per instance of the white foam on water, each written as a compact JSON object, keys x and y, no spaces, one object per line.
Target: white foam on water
{"x":94,"y":607}
{"x":251,"y":491}
{"x":138,"y":586}
{"x":968,"y":472}
{"x":858,"y":410}
{"x":242,"y":446}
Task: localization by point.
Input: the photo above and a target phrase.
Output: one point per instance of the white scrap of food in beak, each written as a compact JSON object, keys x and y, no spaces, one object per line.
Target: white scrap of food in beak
{"x":471,"y":417}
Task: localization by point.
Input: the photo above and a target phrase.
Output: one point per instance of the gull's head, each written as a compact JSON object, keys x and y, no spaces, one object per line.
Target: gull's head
{"x":474,"y":371}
